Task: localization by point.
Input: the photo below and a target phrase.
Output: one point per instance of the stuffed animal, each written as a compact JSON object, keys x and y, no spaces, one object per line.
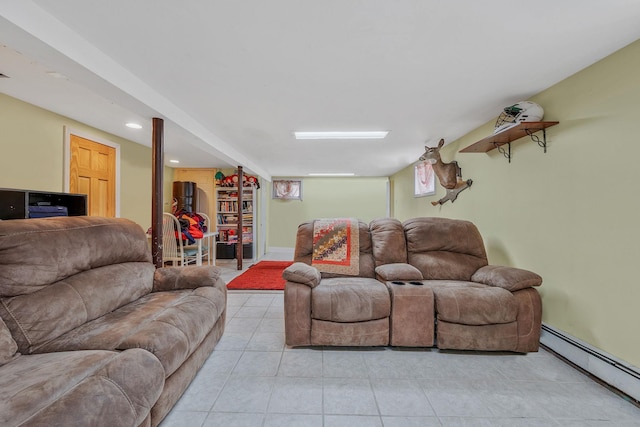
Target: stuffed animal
{"x":232,"y":181}
{"x":218,"y":178}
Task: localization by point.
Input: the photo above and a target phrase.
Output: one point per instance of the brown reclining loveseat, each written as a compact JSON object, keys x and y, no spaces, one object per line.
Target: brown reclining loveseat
{"x":420,"y":283}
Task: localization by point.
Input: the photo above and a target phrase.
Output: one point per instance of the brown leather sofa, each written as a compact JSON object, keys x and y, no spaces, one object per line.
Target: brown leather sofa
{"x":91,"y":333}
{"x":421,"y":283}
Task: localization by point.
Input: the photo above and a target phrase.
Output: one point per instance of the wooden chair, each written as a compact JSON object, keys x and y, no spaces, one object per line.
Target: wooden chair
{"x":173,"y":249}
{"x":206,"y":242}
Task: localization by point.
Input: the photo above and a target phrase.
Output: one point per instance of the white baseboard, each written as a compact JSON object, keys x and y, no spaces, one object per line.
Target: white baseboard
{"x":280,"y":250}
{"x":619,"y":374}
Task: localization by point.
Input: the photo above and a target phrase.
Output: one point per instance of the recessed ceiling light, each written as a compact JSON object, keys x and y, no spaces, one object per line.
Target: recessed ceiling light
{"x":174,"y":161}
{"x":56,"y":75}
{"x":342,"y":135}
{"x":133,"y":125}
{"x":333,"y":174}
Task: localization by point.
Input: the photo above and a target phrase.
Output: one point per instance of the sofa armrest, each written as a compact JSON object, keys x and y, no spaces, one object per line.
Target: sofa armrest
{"x":300,"y":272}
{"x":397,"y":271}
{"x":509,"y":278}
{"x":174,"y":278}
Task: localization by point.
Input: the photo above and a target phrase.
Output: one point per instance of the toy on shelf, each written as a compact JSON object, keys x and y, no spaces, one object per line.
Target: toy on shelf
{"x":232,"y":181}
{"x":219,"y":176}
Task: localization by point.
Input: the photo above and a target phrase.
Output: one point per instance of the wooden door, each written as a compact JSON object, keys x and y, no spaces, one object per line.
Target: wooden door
{"x":93,"y":172}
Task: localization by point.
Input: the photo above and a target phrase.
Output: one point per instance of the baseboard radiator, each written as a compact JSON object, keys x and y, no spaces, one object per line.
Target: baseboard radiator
{"x":613,"y":371}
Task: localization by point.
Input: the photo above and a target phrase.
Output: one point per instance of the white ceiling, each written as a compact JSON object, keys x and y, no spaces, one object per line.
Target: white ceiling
{"x":233,"y":79}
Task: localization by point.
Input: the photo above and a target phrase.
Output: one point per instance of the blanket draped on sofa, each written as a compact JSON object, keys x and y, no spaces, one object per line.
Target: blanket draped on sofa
{"x":336,"y":246}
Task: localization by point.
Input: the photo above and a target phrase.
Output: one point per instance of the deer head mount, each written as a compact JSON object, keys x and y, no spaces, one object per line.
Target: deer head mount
{"x":449,"y":174}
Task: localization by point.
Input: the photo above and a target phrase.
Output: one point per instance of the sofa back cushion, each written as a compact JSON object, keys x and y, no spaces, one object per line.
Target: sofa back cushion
{"x":8,"y":346}
{"x":443,"y":248}
{"x":35,"y":253}
{"x":388,"y":241}
{"x":304,"y":249}
{"x":59,"y":273}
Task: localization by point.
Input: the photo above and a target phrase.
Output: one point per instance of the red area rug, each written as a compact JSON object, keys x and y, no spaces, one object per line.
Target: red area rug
{"x":263,"y":275}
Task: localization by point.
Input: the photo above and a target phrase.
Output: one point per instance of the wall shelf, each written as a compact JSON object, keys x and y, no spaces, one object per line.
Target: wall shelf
{"x":518,"y":131}
{"x":14,"y":203}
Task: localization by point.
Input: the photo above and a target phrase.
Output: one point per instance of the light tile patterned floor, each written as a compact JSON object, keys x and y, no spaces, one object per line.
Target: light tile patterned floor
{"x":252,"y":379}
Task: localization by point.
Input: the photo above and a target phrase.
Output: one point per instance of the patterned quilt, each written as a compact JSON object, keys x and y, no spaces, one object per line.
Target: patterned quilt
{"x":336,"y":247}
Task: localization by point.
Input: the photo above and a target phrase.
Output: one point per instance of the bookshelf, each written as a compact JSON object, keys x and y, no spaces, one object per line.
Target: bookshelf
{"x":227,"y":212}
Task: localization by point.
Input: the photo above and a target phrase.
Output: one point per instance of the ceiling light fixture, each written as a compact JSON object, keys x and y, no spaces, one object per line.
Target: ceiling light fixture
{"x":133,"y":125}
{"x":342,"y":135}
{"x":174,"y":161}
{"x":56,"y":75}
{"x":333,"y":174}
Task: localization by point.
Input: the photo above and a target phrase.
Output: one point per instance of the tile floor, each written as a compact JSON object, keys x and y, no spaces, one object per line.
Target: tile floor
{"x":253,"y":379}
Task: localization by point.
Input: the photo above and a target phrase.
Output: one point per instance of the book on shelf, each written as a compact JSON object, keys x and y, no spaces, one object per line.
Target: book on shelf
{"x":230,"y":206}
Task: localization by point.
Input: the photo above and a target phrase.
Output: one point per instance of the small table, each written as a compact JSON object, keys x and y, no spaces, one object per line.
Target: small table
{"x":211,"y":249}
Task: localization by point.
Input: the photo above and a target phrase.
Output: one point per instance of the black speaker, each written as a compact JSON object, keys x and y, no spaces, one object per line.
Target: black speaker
{"x":186,"y":193}
{"x":13,"y":204}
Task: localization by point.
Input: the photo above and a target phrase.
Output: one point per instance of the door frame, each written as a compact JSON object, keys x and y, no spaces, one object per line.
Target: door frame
{"x":68,"y":131}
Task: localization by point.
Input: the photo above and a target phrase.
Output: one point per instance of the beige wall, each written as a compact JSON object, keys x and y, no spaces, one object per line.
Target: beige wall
{"x":32,"y":157}
{"x":363,"y":198}
{"x":571,"y":214}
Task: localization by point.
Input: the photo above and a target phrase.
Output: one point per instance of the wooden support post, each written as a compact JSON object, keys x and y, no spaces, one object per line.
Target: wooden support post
{"x":239,"y":251}
{"x":157,"y":191}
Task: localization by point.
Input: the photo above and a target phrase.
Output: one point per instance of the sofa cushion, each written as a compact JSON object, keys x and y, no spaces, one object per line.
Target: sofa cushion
{"x":65,"y":246}
{"x":470,"y":303}
{"x":300,"y":272}
{"x":388,"y":241}
{"x":171,"y":325}
{"x":443,"y":248}
{"x":350,"y":299}
{"x":509,"y":278}
{"x":80,"y":388}
{"x":397,"y":271}
{"x":51,"y":311}
{"x":8,"y":346}
{"x":196,"y":276}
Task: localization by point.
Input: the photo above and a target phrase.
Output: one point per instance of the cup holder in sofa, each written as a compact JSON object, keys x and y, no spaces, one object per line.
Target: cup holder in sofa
{"x":396,"y":282}
{"x":416,"y":283}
